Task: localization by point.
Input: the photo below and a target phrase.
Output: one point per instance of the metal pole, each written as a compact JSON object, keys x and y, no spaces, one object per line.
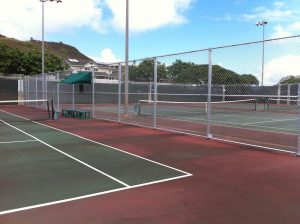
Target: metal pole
{"x":119,"y":91}
{"x":43,"y":50}
{"x":263,"y":57}
{"x":126,"y":59}
{"x":208,"y":134}
{"x":278,"y":93}
{"x":298,"y":148}
{"x":29,"y":97}
{"x":57,"y":94}
{"x":73,"y":97}
{"x":223,"y":90}
{"x":93,"y":93}
{"x":36,"y":89}
{"x":288,"y":94}
{"x":155,"y":94}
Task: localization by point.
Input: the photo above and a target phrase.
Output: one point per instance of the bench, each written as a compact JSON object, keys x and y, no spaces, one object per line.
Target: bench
{"x":76,"y":113}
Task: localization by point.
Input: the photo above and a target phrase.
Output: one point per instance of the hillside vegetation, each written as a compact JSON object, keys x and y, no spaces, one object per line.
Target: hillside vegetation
{"x":60,"y":49}
{"x":188,"y":72}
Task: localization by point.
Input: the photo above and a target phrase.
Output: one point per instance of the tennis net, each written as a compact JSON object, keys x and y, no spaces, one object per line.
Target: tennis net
{"x":26,"y":110}
{"x":279,"y":104}
{"x":166,"y":108}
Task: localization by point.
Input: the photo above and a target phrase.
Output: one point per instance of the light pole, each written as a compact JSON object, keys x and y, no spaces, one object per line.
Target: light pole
{"x":126,"y":59}
{"x":44,"y":85}
{"x":263,"y":24}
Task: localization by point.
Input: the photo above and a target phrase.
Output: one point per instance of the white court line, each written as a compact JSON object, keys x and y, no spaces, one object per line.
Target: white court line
{"x":52,"y":147}
{"x":232,"y":125}
{"x":98,"y":143}
{"x":90,"y":195}
{"x":127,"y":187}
{"x":262,"y":122}
{"x":24,"y":141}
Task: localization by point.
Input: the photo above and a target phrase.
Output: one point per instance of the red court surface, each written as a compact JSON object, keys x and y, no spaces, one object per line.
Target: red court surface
{"x":230,"y":184}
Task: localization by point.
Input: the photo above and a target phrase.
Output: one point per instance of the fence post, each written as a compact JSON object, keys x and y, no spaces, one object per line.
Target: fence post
{"x":278,"y":93}
{"x":208,"y":134}
{"x":223,"y":91}
{"x":93,"y":93}
{"x":288,"y":94}
{"x":46,"y":86}
{"x":119,"y":90}
{"x":155,"y":94}
{"x":150,"y":92}
{"x":298,"y":148}
{"x":73,"y":97}
{"x":36,"y":90}
{"x":28,"y":89}
{"x":57,"y":92}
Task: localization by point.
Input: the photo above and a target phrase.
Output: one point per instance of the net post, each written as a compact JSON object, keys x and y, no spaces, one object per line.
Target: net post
{"x":155,"y":94}
{"x":208,"y":134}
{"x":57,"y":92}
{"x":93,"y":93}
{"x":52,"y":109}
{"x":48,"y":109}
{"x":73,"y":97}
{"x":119,"y":90}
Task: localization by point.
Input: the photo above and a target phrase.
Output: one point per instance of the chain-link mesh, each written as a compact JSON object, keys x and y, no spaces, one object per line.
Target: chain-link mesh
{"x":174,"y":93}
{"x":250,"y":116}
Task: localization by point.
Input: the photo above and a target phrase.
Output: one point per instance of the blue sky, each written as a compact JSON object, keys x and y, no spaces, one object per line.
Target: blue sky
{"x":96,"y":27}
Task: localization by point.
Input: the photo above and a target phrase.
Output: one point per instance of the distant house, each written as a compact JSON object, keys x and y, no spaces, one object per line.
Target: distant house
{"x":102,"y":71}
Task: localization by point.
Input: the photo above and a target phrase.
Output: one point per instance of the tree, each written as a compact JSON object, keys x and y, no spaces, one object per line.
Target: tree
{"x":186,"y":72}
{"x":10,"y":62}
{"x":15,"y":61}
{"x":144,"y":72}
{"x":291,"y":80}
{"x":178,"y":67}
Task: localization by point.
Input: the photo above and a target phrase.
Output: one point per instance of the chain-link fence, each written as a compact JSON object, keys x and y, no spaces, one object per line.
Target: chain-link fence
{"x":216,"y":93}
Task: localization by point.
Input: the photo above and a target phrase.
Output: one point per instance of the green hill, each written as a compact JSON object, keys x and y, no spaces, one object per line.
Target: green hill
{"x":59,"y":49}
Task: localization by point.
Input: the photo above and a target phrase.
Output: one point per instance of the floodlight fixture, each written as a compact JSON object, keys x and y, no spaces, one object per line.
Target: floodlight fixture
{"x":261,"y":23}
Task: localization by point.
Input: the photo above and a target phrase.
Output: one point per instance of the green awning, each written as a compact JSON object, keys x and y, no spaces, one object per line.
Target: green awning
{"x":79,"y":78}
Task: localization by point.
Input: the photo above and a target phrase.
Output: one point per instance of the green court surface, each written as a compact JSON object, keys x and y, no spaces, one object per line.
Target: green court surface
{"x":40,"y":165}
{"x":287,"y":123}
{"x":260,"y":119}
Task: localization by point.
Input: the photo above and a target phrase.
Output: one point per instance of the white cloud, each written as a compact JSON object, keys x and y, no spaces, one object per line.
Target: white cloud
{"x":106,"y":56}
{"x":283,"y":18}
{"x":23,"y":19}
{"x":147,"y":15}
{"x":280,"y":31}
{"x":284,"y":31}
{"x":274,"y":14}
{"x":281,"y":67}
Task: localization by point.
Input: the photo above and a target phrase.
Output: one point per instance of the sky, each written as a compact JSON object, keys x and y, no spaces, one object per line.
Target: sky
{"x":158,"y":27}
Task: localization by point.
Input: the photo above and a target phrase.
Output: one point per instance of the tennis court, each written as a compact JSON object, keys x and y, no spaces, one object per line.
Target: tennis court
{"x":266,"y":123}
{"x":41,"y":165}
